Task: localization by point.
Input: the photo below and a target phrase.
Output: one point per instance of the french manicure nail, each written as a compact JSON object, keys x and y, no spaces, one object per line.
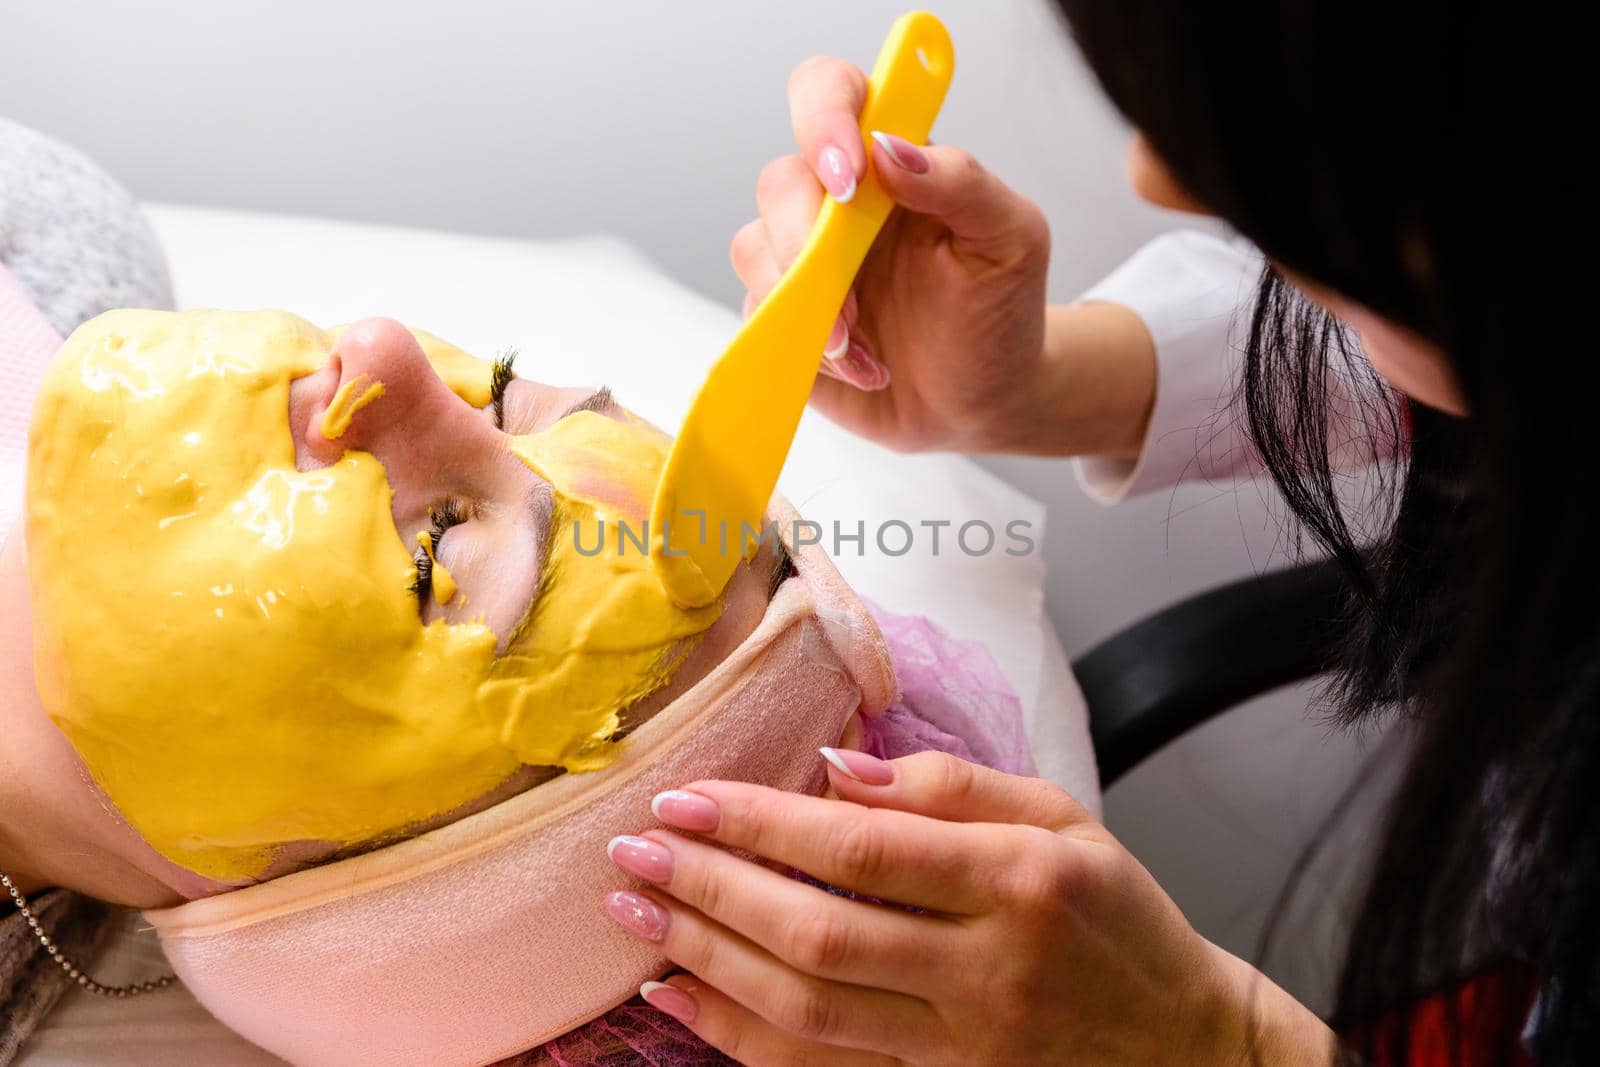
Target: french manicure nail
{"x":838,"y":340}
{"x":686,"y":810}
{"x":838,"y":176}
{"x":642,"y":857}
{"x":830,"y":369}
{"x":862,"y":371}
{"x":868,"y":770}
{"x":906,"y":155}
{"x":638,"y":915}
{"x":670,"y":999}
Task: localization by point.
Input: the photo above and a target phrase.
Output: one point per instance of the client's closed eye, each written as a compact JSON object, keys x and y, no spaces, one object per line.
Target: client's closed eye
{"x":520,"y":406}
{"x":500,"y":379}
{"x":449,"y":514}
{"x":481,"y":555}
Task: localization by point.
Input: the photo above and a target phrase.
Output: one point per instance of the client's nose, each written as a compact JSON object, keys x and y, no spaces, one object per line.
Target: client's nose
{"x":383,"y":397}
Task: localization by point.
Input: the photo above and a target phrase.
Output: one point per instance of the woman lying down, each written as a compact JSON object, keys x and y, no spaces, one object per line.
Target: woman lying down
{"x":345,"y":628}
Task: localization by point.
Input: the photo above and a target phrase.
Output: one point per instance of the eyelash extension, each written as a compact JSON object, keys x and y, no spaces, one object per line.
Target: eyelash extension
{"x":500,"y":378}
{"x":450,"y":513}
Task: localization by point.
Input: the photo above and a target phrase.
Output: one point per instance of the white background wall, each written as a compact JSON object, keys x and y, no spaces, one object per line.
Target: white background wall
{"x":650,"y":120}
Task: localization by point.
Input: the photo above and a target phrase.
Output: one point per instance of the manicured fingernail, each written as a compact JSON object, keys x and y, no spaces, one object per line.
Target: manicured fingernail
{"x":670,"y":999}
{"x":830,"y":369}
{"x":868,"y":770}
{"x":641,"y":856}
{"x":638,"y":915}
{"x":686,"y":810}
{"x":838,"y":176}
{"x":862,"y":371}
{"x":906,"y":155}
{"x":838,"y":340}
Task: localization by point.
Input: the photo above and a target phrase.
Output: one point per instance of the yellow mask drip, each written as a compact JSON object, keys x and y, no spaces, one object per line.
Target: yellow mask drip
{"x":230,"y":643}
{"x":352,"y":396}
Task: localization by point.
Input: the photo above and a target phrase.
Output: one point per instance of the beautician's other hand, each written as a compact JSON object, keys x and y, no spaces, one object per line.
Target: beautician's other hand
{"x":947,"y":320}
{"x":1041,"y":939}
{"x":946,"y":341}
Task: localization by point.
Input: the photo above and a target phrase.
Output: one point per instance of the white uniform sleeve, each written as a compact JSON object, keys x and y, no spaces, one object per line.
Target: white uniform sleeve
{"x":1194,"y":292}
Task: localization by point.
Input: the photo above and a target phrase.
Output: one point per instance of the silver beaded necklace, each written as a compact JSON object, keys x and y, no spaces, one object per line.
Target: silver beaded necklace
{"x":73,"y":972}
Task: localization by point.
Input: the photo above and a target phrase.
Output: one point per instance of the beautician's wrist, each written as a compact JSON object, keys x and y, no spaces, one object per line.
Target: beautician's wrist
{"x":1244,"y":1018}
{"x":1092,"y":388}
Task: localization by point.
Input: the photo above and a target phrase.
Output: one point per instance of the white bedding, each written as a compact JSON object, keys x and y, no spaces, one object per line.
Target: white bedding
{"x":591,"y":311}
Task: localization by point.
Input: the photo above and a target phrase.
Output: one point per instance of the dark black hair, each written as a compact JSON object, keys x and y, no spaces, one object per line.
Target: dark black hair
{"x":1394,"y":153}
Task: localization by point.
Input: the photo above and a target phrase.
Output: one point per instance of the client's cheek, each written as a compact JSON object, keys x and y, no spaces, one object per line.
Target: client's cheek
{"x":603,"y":635}
{"x":493,"y":577}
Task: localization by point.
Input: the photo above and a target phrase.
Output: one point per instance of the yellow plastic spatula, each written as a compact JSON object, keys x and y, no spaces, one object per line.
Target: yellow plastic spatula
{"x":724,"y":465}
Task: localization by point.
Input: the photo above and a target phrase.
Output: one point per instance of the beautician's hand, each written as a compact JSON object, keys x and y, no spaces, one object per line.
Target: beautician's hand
{"x":949,"y":342}
{"x":1041,"y":940}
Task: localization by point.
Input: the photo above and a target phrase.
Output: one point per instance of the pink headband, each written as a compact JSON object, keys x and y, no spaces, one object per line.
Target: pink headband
{"x":486,"y":937}
{"x":27,"y":342}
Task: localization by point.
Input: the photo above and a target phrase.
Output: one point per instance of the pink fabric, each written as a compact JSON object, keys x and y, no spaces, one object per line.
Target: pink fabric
{"x":954,"y":699}
{"x":486,"y":937}
{"x":27,"y":342}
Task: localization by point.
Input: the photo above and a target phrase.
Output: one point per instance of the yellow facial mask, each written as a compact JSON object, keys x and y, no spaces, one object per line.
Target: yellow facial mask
{"x":603,"y":633}
{"x":231,"y":644}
